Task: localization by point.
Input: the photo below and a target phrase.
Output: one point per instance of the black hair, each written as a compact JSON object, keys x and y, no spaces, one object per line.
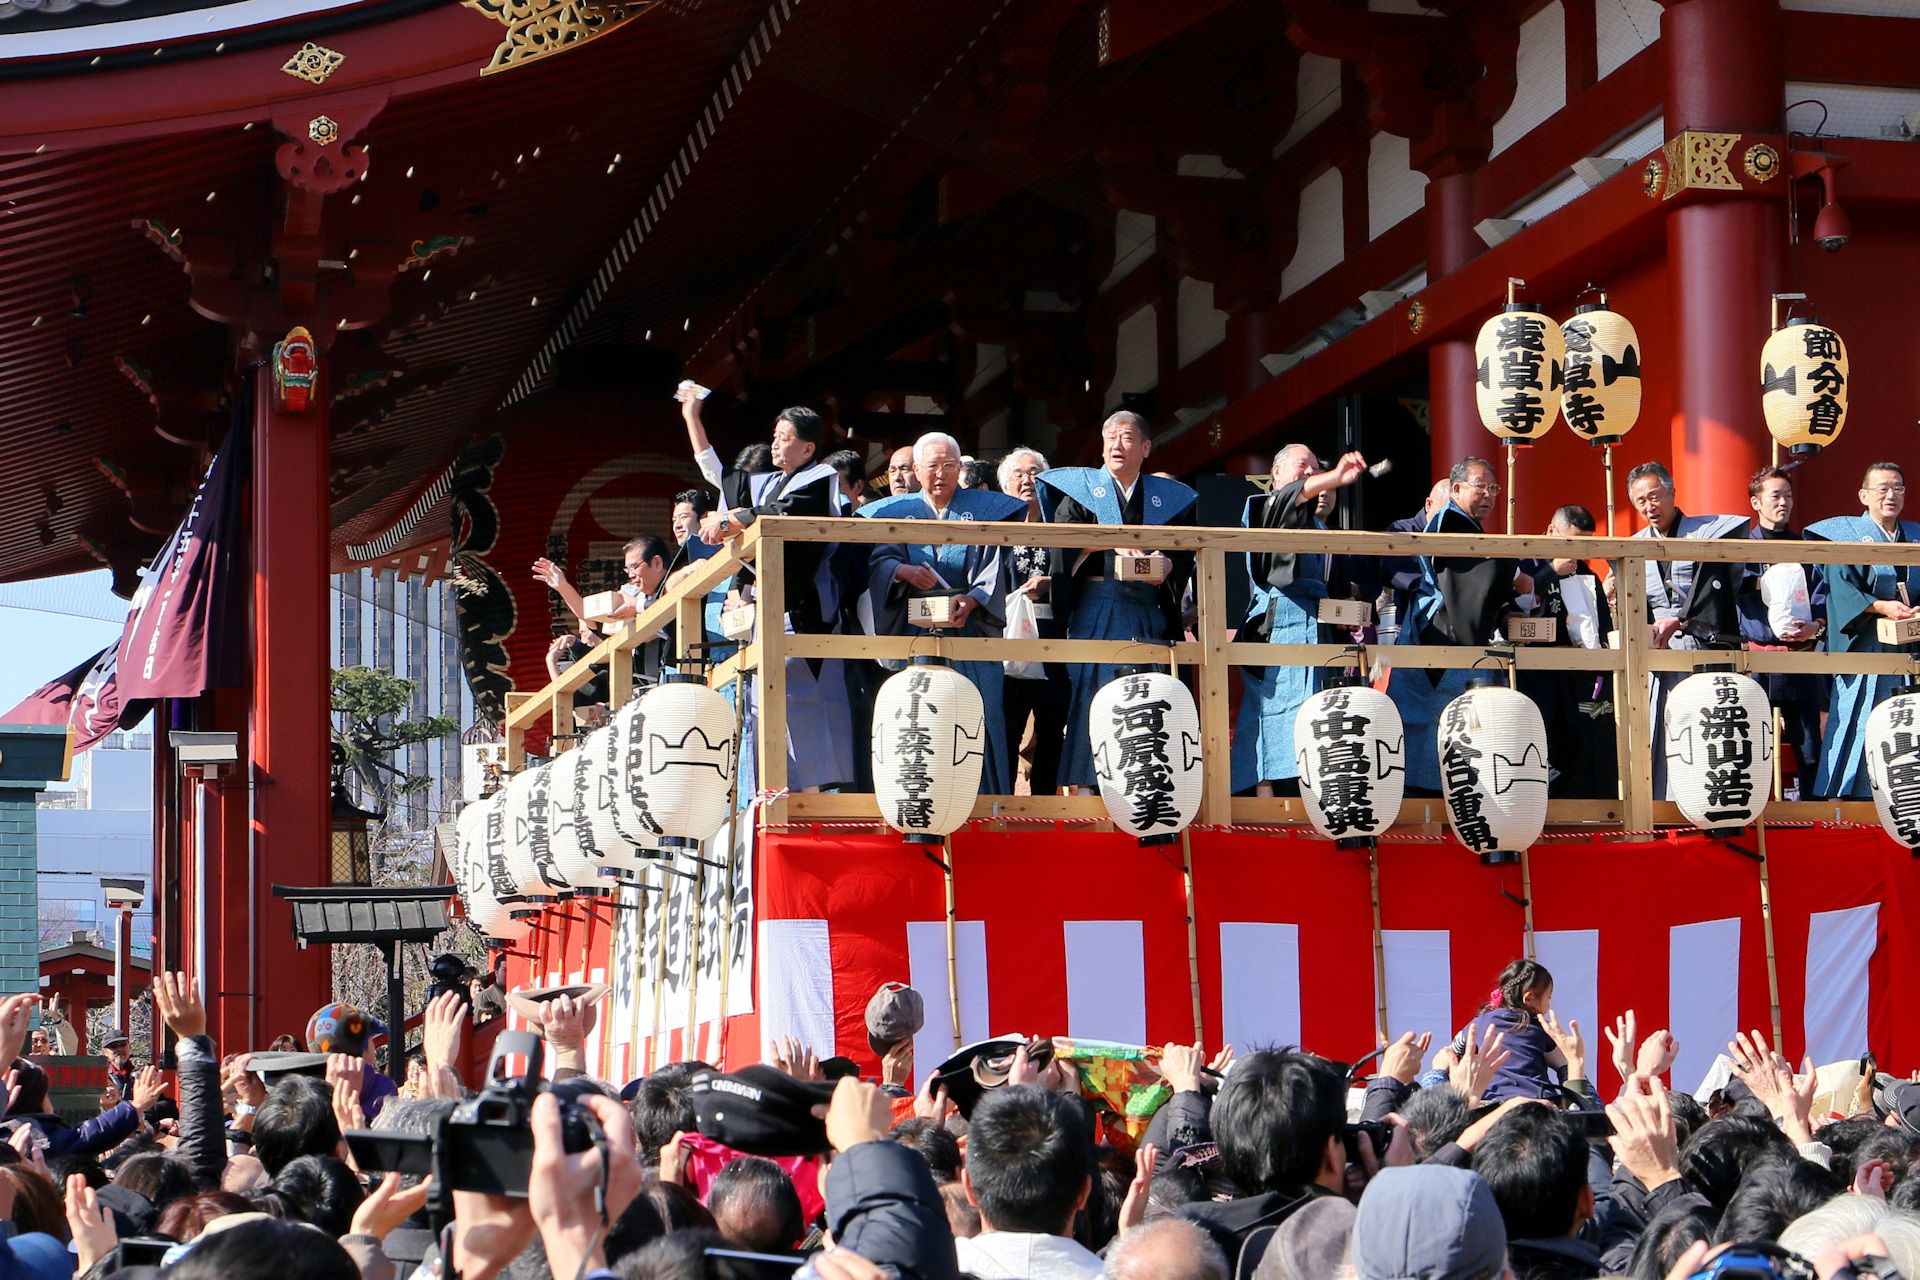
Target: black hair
{"x":1029,"y":1156}
{"x":678,"y":1207}
{"x":161,"y":1179}
{"x":265,"y":1251}
{"x":1878,"y":1143}
{"x":68,"y":1163}
{"x":976,"y":474}
{"x":32,"y":1083}
{"x":1535,"y":1160}
{"x":1720,"y":1152}
{"x":1894,"y":467}
{"x":679,"y":1256}
{"x":1463,"y":470}
{"x":652,"y":547}
{"x":939,"y":1148}
{"x":754,"y":459}
{"x":1688,"y":1115}
{"x":1519,"y":978}
{"x":322,"y":1190}
{"x":851,"y":466}
{"x":296,"y":1120}
{"x":701,"y":500}
{"x":1576,"y":516}
{"x":1772,"y":1194}
{"x":756,"y":1201}
{"x":807,"y":425}
{"x":1654,"y":469}
{"x":1906,"y":1193}
{"x":1274,"y":1116}
{"x":1115,"y":1169}
{"x":662,"y":1106}
{"x":1669,"y":1233}
{"x":634,"y":1229}
{"x":1435,"y":1117}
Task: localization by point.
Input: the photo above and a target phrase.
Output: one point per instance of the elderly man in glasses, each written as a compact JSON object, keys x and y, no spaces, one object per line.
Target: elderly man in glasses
{"x":1459,"y":600}
{"x":1858,"y":596}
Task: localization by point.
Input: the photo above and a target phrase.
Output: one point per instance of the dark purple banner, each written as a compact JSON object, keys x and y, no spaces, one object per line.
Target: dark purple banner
{"x":87,"y":697}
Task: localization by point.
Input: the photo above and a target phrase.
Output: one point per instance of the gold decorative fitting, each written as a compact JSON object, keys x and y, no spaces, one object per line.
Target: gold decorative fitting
{"x":1653,"y":176}
{"x":1213,"y":434}
{"x":313,"y":63}
{"x":1762,"y":162}
{"x":1416,"y":315}
{"x":323,"y":131}
{"x":1698,"y":161}
{"x":539,"y":29}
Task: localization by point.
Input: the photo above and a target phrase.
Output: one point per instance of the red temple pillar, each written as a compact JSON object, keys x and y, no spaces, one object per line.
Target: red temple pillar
{"x":1725,"y":74}
{"x":1451,"y":244}
{"x":290,"y":735}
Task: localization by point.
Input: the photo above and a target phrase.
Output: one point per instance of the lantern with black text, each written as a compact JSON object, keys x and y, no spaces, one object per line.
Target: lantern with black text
{"x":1893,"y":764}
{"x":1146,"y":754}
{"x":1719,"y":745}
{"x":929,"y":745}
{"x":1493,"y":770}
{"x":469,"y":867}
{"x":529,"y":857}
{"x":601,"y":835}
{"x":1600,"y":391}
{"x":1520,"y":358}
{"x":1349,"y":743}
{"x":566,"y":824}
{"x":1803,"y":385}
{"x":493,"y":887}
{"x":680,"y":759}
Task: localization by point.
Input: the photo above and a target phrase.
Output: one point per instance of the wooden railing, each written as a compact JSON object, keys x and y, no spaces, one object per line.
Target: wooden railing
{"x":1214,"y":652}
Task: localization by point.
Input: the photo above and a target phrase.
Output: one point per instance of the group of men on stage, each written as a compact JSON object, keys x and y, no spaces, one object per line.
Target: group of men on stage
{"x":1098,"y":593}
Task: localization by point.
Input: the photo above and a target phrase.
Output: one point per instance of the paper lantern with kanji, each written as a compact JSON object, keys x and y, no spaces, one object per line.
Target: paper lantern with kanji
{"x":1349,"y":743}
{"x":1600,"y":390}
{"x":929,"y":747}
{"x":1719,"y":745}
{"x":680,"y":759}
{"x":468,"y":864}
{"x":601,"y":834}
{"x":1520,"y":358}
{"x":566,"y":825}
{"x":1145,"y":733}
{"x":488,"y":884}
{"x":1493,"y":771}
{"x":1893,"y":764}
{"x":1803,"y":386}
{"x":529,"y":857}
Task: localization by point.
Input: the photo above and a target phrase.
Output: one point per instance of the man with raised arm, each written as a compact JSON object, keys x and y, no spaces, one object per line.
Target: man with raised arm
{"x":819,"y":722}
{"x":974,"y":578}
{"x":1087,"y":590}
{"x":1283,"y":608}
{"x":1858,"y":597}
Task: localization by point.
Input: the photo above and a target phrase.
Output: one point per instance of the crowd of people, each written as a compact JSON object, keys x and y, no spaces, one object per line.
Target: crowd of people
{"x":1493,"y":1157}
{"x":1038,"y":739}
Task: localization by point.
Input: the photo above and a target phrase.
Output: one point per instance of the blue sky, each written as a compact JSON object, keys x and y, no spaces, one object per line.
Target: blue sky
{"x":82,"y":617}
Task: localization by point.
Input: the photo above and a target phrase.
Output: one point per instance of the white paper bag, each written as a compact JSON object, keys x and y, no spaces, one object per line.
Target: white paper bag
{"x":1023,"y":625}
{"x":1783,"y":589}
{"x":1583,"y":611}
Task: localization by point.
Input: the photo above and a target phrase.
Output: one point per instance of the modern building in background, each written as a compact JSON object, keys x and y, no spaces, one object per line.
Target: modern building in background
{"x":406,"y":626}
{"x":101,"y":826}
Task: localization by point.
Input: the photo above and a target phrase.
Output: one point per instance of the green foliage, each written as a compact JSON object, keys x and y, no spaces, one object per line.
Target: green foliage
{"x":366,"y":736}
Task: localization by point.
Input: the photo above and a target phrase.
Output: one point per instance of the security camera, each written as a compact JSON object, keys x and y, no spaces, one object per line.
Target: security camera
{"x":1832,"y":228}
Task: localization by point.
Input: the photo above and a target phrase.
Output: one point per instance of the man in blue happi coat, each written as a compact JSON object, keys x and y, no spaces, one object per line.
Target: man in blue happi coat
{"x":1097,"y":604}
{"x":1283,"y":607}
{"x":974,"y":577}
{"x":1858,"y":596}
{"x":1784,"y":606}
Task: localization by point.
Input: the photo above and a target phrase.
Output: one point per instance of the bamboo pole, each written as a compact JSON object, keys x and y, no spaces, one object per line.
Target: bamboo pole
{"x":1513,"y":454}
{"x":1607,"y":449}
{"x":660,"y":968}
{"x":1379,"y":948}
{"x":733,"y":831}
{"x":1526,"y":899}
{"x":693,"y":961}
{"x":1766,"y":920}
{"x":1193,"y":937}
{"x":953,"y":959}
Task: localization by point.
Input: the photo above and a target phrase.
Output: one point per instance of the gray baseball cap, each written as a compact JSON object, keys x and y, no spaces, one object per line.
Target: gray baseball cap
{"x":895,"y":1013}
{"x":1428,"y":1222}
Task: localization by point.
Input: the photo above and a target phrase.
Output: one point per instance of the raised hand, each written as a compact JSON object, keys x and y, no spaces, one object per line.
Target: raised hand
{"x":442,"y":1024}
{"x":387,"y":1206}
{"x":794,"y":1058}
{"x":1133,"y":1210}
{"x":1644,"y":1137}
{"x":1771,"y":1078}
{"x":90,"y":1224}
{"x":178,"y":1005}
{"x":858,"y":1113}
{"x":16,"y":1017}
{"x":1180,"y":1066}
{"x":1403,"y":1057}
{"x":896,"y":1068}
{"x":931,"y":1102}
{"x":1474,"y":1070}
{"x":1657,"y":1053}
{"x":148,"y":1088}
{"x":1572,"y":1045}
{"x":574,"y":1197}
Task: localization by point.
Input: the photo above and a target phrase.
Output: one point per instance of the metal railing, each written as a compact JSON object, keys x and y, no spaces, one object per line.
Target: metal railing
{"x":1213,"y":653}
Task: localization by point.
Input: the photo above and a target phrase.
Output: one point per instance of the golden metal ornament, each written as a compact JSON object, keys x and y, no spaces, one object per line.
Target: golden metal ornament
{"x":323,"y":130}
{"x":1763,"y":162}
{"x":1416,"y":315}
{"x":1698,"y":161}
{"x":539,"y":29}
{"x":313,"y":63}
{"x":1653,"y":176}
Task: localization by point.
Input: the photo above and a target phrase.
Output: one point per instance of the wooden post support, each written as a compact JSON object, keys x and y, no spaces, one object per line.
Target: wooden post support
{"x":1210,"y":592}
{"x":1526,"y":900}
{"x":516,"y":737}
{"x":770,"y":588}
{"x":1607,"y":449}
{"x":953,"y":957}
{"x":1632,"y":701}
{"x":1193,"y":937}
{"x":1379,"y":948}
{"x":1766,"y":921}
{"x":660,"y":969}
{"x":690,"y":626}
{"x":619,"y":677}
{"x":1513,"y":452}
{"x":689,"y":1051}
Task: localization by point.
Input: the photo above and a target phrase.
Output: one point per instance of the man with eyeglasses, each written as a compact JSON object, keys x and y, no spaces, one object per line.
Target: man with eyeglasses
{"x":1691,"y":604}
{"x":974,"y":578}
{"x":1459,"y":600}
{"x":900,"y":475}
{"x":1858,"y":596}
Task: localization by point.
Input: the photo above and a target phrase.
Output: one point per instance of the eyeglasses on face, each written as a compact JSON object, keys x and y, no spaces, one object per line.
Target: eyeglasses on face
{"x":1895,"y":489}
{"x":1484,"y":486}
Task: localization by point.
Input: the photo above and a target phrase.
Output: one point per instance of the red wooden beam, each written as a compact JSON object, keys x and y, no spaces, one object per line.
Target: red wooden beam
{"x":1846,"y":48}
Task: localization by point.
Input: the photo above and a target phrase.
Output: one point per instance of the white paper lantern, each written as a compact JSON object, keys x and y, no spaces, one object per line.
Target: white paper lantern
{"x":1893,"y":764}
{"x":1145,"y":732}
{"x":680,"y":759}
{"x":1493,"y":771}
{"x":1719,"y":744}
{"x":929,"y":748}
{"x":493,"y":889}
{"x":529,"y":858}
{"x":601,"y":835}
{"x":565,"y":827}
{"x":469,"y":867}
{"x":1803,"y":386}
{"x":1350,"y":745}
{"x":1521,"y":358}
{"x":1600,"y":393}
